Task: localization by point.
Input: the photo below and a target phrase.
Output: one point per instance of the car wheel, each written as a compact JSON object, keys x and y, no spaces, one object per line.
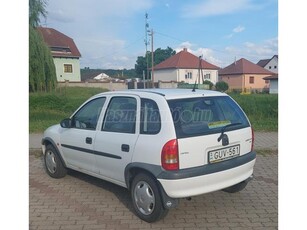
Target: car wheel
{"x":236,"y":188}
{"x":53,"y":163}
{"x":146,"y":198}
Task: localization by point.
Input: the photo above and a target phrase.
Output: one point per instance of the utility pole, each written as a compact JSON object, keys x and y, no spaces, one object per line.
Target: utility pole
{"x":146,"y":44}
{"x":199,"y":69}
{"x":152,"y":59}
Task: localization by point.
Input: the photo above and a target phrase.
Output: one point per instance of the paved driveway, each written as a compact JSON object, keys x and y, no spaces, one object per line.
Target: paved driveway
{"x":79,"y":201}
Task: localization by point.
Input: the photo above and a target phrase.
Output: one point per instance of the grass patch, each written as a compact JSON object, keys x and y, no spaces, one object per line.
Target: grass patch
{"x":261,"y":109}
{"x":46,"y":109}
{"x":36,"y":152}
{"x":266,"y":152}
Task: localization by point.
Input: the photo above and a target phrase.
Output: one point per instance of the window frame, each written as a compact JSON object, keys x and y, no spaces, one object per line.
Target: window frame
{"x":68,"y":68}
{"x":218,"y":111}
{"x":116,"y":114}
{"x":142,"y":120}
{"x":81,"y":109}
{"x":251,"y":80}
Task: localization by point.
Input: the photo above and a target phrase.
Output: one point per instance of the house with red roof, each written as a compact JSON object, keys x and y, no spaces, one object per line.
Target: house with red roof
{"x":64,"y":52}
{"x":244,"y":75}
{"x":184,"y":67}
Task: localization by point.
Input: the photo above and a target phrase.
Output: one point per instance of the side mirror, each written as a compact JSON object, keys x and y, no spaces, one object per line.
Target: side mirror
{"x":66,"y":123}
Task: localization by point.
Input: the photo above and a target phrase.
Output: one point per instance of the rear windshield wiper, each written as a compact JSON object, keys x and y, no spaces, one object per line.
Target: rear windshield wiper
{"x":225,"y":127}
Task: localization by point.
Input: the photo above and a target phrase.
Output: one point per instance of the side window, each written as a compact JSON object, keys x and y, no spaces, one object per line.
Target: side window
{"x":251,"y":80}
{"x":120,"y":115}
{"x":150,"y":117}
{"x":87,"y":116}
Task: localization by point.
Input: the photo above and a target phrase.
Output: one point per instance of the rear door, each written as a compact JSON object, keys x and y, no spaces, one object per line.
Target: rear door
{"x":115,"y":141}
{"x":209,"y":130}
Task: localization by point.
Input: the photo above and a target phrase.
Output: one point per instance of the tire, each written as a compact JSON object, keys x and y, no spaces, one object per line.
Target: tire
{"x":53,"y":164}
{"x":236,"y":188}
{"x":146,"y":198}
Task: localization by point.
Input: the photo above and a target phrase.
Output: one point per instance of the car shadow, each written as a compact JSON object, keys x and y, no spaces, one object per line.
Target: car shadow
{"x":122,"y":194}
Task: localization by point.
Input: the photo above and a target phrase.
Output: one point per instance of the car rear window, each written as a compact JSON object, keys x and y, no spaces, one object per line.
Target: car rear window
{"x":206,"y":115}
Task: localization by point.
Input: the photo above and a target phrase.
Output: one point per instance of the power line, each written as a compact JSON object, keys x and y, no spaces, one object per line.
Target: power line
{"x":224,"y":52}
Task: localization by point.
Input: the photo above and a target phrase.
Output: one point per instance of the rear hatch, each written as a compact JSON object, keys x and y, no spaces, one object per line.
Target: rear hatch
{"x":210,"y":130}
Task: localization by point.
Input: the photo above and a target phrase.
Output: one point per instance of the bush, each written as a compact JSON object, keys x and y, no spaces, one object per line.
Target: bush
{"x":207,"y":82}
{"x":221,"y":86}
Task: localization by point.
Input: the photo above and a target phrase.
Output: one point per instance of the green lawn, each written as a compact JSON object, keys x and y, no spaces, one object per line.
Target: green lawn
{"x":261,"y":109}
{"x":46,"y":109}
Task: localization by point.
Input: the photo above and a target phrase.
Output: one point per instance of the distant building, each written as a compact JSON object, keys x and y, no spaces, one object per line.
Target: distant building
{"x":244,"y":75}
{"x":273,"y":88}
{"x":184,"y":67}
{"x":101,"y":77}
{"x":270,"y":64}
{"x":65,"y":54}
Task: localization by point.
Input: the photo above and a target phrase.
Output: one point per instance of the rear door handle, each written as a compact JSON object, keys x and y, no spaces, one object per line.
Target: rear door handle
{"x":88,"y":140}
{"x":125,"y":148}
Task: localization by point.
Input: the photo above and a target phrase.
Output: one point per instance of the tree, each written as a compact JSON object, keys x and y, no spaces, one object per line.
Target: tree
{"x":140,"y":66}
{"x":221,"y":86}
{"x":42,"y":73}
{"x":37,"y":8}
{"x":160,"y":55}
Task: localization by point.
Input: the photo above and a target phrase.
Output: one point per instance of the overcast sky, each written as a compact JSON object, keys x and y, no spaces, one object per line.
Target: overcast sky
{"x":110,"y":34}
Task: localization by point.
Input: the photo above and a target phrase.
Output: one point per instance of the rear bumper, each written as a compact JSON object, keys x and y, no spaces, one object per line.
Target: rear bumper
{"x":208,"y":178}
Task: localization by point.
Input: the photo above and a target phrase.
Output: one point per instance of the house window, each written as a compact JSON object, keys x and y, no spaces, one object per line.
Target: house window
{"x":270,"y":67}
{"x":251,"y":80}
{"x":67,"y":68}
{"x":188,"y":75}
{"x":275,"y":67}
{"x":207,"y":76}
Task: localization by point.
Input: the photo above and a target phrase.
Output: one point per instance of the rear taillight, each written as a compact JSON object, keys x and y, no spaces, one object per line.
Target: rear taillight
{"x":169,"y":155}
{"x":253,"y":140}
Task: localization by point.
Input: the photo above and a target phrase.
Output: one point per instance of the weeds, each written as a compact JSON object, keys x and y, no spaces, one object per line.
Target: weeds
{"x":46,"y":109}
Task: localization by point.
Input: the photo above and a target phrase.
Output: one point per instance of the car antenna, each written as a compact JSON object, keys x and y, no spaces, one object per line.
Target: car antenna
{"x":194,"y":87}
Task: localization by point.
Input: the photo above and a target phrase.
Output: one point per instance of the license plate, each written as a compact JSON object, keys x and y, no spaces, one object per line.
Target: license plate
{"x":223,"y":154}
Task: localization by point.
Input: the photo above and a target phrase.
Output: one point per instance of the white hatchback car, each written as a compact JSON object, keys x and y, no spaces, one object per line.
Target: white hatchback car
{"x":161,"y":144}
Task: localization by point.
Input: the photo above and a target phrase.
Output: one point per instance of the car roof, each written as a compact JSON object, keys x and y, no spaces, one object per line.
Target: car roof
{"x":167,"y":93}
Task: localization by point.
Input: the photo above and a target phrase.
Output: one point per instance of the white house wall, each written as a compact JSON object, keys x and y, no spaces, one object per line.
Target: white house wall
{"x":184,"y":75}
{"x":59,"y":65}
{"x":273,"y":86}
{"x":165,"y":75}
{"x":272,"y":65}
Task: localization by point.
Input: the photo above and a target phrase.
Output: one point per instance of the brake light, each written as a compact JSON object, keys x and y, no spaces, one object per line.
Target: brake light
{"x":169,"y":155}
{"x":253,"y":140}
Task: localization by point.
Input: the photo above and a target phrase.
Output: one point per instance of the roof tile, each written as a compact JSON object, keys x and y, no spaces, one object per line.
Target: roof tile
{"x":184,"y":60}
{"x":60,"y":44}
{"x":243,"y":66}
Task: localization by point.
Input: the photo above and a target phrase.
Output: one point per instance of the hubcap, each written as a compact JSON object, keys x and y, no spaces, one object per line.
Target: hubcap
{"x":144,"y":198}
{"x":50,"y":162}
